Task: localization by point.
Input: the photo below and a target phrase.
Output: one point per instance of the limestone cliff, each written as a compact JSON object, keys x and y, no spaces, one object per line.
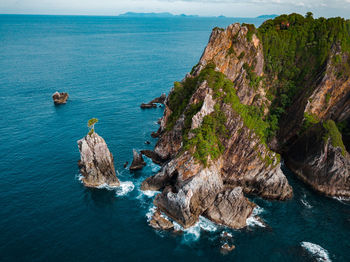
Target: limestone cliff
{"x":96,"y":162}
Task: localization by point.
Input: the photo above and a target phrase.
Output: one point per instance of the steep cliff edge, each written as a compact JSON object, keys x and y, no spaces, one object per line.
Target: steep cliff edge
{"x":255,"y":93}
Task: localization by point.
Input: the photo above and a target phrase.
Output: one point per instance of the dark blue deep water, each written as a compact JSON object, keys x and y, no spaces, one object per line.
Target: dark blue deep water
{"x":109,"y":66}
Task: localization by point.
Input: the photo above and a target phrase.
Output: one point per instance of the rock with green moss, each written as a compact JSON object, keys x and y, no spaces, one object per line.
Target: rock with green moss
{"x":319,"y":158}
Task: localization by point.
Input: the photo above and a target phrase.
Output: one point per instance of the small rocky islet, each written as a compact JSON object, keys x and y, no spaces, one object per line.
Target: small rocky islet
{"x":60,"y":98}
{"x":256,"y":96}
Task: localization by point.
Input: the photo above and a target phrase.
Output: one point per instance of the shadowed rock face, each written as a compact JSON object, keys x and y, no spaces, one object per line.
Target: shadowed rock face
{"x":319,"y":164}
{"x":96,"y":162}
{"x":137,"y":162}
{"x":190,"y":189}
{"x":230,"y":208}
{"x":60,"y":98}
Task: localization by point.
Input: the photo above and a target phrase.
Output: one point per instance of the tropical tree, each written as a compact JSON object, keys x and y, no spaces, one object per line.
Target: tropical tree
{"x":91,"y":125}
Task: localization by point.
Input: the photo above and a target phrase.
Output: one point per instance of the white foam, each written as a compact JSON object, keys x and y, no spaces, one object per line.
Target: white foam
{"x":149,"y":193}
{"x":79,"y":177}
{"x":124,"y":188}
{"x":252,"y":221}
{"x":193,"y":233}
{"x":318,"y":252}
{"x":225,"y":234}
{"x":150,"y":212}
{"x":305,"y":203}
{"x":343,"y":200}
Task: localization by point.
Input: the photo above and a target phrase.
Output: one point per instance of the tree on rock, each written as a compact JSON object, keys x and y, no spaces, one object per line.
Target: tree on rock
{"x":91,"y":125}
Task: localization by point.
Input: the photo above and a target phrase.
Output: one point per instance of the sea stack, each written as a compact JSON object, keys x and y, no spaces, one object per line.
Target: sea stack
{"x":137,"y":162}
{"x":96,"y":162}
{"x":60,"y":98}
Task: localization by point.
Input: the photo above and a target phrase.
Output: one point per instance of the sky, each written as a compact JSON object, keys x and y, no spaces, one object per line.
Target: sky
{"x":231,"y":8}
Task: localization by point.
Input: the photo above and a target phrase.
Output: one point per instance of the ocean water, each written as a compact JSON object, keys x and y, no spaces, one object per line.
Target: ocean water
{"x":110,"y":65}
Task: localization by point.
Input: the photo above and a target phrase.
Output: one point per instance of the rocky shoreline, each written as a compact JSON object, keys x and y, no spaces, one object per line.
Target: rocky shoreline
{"x":216,"y":146}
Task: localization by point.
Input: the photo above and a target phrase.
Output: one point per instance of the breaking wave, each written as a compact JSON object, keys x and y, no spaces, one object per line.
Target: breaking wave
{"x":305,"y":203}
{"x":253,"y":221}
{"x":318,"y":252}
{"x":124,"y":188}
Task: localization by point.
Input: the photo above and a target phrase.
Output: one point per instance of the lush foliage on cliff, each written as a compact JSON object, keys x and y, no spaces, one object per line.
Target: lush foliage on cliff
{"x":334,"y":135}
{"x":207,"y":138}
{"x":296,"y":50}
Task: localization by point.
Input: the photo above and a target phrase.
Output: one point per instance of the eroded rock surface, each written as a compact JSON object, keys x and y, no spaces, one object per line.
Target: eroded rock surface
{"x":60,"y":98}
{"x":321,"y":165}
{"x":230,"y":208}
{"x":96,"y":162}
{"x":137,"y":162}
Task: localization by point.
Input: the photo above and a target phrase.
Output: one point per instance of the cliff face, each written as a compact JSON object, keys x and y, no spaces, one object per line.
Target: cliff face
{"x":320,"y":162}
{"x":224,"y":123}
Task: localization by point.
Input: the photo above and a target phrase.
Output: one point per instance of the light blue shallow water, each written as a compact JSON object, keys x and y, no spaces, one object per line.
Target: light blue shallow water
{"x":109,"y":66}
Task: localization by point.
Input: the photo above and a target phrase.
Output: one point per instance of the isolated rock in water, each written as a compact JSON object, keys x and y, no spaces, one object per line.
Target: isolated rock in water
{"x":226,"y":248}
{"x":126,"y":164}
{"x":152,"y":103}
{"x":60,"y":98}
{"x":137,"y":162}
{"x":96,"y":162}
{"x":148,"y":105}
{"x":160,"y":222}
{"x":159,"y":100}
{"x":231,"y":209}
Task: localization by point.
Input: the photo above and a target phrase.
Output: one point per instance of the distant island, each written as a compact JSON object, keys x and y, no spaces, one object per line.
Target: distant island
{"x":167,"y":14}
{"x":267,"y":16}
{"x":162,"y":15}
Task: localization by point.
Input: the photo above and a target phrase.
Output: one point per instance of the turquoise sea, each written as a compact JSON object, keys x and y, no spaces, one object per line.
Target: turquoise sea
{"x":109,"y":66}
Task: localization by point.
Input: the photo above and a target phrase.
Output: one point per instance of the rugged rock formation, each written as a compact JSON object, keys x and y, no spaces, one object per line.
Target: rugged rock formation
{"x":225,"y":123}
{"x":230,"y":208}
{"x":160,"y":222}
{"x":96,"y":162}
{"x":153,"y":103}
{"x":191,"y":190}
{"x":316,"y":160}
{"x":155,"y":158}
{"x":60,"y":98}
{"x":137,"y":162}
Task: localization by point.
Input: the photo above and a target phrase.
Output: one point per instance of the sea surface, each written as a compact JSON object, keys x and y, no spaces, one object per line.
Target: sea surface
{"x":109,"y":66}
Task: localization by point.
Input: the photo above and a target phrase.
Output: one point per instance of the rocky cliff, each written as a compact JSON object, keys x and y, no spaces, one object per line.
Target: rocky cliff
{"x":96,"y":162}
{"x":245,"y":103}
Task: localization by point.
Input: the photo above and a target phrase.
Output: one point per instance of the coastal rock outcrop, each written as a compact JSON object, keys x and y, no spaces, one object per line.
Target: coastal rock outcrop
{"x":230,"y":208}
{"x":153,"y":103}
{"x":96,"y":162}
{"x":320,"y":162}
{"x":137,"y":162}
{"x":160,"y":222}
{"x":60,"y":98}
{"x":246,"y":103}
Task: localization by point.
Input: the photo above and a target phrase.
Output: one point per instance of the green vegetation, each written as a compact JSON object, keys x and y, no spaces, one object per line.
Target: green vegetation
{"x":207,"y":138}
{"x":335,"y":136}
{"x":309,"y":120}
{"x":296,"y":50}
{"x":251,"y":31}
{"x":253,"y":78}
{"x":91,"y":125}
{"x":241,"y":55}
